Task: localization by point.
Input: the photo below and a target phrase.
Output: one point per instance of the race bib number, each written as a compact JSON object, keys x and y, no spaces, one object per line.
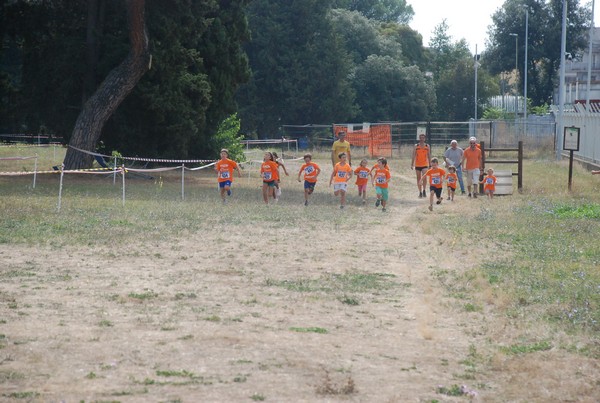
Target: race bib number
{"x":267,"y":176}
{"x":341,"y":174}
{"x":380,"y":179}
{"x":489,"y":181}
{"x":363,"y":174}
{"x":225,"y":174}
{"x":451,"y":180}
{"x":309,"y":170}
{"x":436,"y":180}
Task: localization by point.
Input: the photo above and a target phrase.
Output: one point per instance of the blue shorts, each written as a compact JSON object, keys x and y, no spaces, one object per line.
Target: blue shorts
{"x":225,"y":184}
{"x":309,"y":185}
{"x":271,"y":184}
{"x":383,"y":192}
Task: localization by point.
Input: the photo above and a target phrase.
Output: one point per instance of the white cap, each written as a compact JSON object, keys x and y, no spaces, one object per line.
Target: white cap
{"x":454,"y":142}
{"x":472,"y":139}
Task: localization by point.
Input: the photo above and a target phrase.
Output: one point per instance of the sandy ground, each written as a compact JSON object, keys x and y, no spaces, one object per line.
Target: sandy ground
{"x":177,"y":321}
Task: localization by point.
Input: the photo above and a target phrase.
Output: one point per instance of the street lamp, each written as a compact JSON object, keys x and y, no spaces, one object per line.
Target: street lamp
{"x":525,"y":64}
{"x":516,"y":70}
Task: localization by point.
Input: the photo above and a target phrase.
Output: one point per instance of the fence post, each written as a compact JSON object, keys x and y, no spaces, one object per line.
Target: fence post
{"x":480,"y":186}
{"x":520,"y":168}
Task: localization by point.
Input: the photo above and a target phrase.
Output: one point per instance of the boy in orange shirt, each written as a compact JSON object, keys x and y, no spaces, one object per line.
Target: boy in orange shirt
{"x":224,"y":168}
{"x":362,"y":179}
{"x":342,"y":173}
{"x":269,"y":171}
{"x":381,"y":179}
{"x":436,"y":179}
{"x":451,"y":179}
{"x":311,"y":171}
{"x":489,"y":183}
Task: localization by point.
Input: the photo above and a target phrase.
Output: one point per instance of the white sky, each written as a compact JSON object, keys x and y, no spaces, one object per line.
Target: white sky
{"x":466,"y":19}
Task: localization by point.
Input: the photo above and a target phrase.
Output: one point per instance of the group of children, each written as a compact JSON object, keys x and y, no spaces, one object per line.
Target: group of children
{"x":379,"y":175}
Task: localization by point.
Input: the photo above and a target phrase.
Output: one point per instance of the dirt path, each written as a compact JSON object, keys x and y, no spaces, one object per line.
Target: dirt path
{"x":281,"y":313}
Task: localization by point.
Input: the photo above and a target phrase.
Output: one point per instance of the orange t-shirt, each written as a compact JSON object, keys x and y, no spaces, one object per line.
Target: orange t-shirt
{"x":452,"y":178}
{"x":341,"y":173}
{"x":472,"y":157}
{"x":225,"y":169}
{"x":421,"y":155}
{"x":269,"y":171}
{"x":310,"y":172}
{"x":489,"y":183}
{"x":362,"y":175}
{"x":436,"y":176}
{"x":382,"y":176}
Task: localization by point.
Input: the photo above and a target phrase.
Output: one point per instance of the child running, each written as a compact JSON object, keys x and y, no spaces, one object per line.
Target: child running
{"x":311,"y":171}
{"x":224,"y":168}
{"x":362,"y":179}
{"x":436,"y":179}
{"x":451,"y":179}
{"x":381,"y":180}
{"x":279,"y":162}
{"x":489,"y":183}
{"x":270,"y":175}
{"x":342,"y":173}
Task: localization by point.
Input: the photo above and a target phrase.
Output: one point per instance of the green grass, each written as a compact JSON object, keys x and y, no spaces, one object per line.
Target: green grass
{"x":309,"y":330}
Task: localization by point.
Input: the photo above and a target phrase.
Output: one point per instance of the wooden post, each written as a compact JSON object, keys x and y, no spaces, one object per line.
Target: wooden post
{"x":570,"y":169}
{"x":520,"y":168}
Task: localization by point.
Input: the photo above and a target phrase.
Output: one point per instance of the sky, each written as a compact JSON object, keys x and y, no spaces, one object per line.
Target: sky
{"x":466,"y":19}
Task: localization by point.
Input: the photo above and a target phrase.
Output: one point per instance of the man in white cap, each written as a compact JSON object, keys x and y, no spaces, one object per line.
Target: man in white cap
{"x":453,"y":157}
{"x":472,"y":163}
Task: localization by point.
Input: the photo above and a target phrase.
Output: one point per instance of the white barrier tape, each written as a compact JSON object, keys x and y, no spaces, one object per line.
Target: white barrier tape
{"x":30,"y":145}
{"x":151,"y":170}
{"x":202,"y":167}
{"x":142,"y":159}
{"x":101,"y":171}
{"x":16,"y":158}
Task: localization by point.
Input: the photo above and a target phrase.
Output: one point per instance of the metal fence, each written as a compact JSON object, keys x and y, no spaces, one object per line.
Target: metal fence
{"x":589,"y":140}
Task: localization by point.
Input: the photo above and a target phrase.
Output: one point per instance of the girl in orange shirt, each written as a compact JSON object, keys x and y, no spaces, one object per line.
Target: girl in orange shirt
{"x":269,"y":171}
{"x":362,"y":179}
{"x":381,"y":179}
{"x":489,"y":183}
{"x":224,"y":168}
{"x":342,"y":173}
{"x":451,"y":180}
{"x":420,"y":162}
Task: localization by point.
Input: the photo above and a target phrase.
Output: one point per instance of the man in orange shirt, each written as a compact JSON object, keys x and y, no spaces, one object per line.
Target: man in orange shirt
{"x":436,"y":180}
{"x":224,"y":168}
{"x":342,"y":172}
{"x":472,"y":163}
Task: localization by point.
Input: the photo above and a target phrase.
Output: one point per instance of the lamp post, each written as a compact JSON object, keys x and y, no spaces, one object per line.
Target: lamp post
{"x":516,"y":72}
{"x":525,"y":69}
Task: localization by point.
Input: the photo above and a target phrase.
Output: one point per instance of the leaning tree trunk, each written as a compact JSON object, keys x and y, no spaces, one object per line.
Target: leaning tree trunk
{"x":113,"y":90}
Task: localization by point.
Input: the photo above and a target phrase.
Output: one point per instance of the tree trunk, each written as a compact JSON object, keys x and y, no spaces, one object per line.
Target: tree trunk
{"x":113,"y":90}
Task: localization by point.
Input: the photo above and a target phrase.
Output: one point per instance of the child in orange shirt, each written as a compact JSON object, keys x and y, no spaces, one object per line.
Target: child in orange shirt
{"x":362,"y":179}
{"x":269,"y":171}
{"x":311,"y":171}
{"x":342,"y":173}
{"x":451,"y":179}
{"x":489,"y":183}
{"x":224,"y":168}
{"x":381,"y":179}
{"x":436,"y":179}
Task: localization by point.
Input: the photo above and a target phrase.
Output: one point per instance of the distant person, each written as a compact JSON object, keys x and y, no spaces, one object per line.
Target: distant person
{"x":224,"y":168}
{"x":453,"y":156}
{"x":340,"y":146}
{"x":436,"y":180}
{"x":421,"y":156}
{"x":311,"y":172}
{"x":451,"y":180}
{"x":362,"y":179}
{"x":280,"y":164}
{"x":342,"y":173}
{"x":489,"y":183}
{"x":472,"y":162}
{"x":381,"y":180}
{"x":269,"y":171}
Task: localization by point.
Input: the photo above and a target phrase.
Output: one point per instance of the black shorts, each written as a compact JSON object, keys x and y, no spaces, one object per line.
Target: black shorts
{"x":436,"y":190}
{"x":420,"y":168}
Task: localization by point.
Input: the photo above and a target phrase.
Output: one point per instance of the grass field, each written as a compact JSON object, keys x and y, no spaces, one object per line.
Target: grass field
{"x":165,"y":299}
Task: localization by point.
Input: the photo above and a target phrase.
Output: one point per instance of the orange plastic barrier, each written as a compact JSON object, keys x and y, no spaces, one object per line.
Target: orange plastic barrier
{"x":378,"y":138}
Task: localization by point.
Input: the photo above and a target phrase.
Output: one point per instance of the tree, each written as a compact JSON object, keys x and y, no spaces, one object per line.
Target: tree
{"x":545,"y":20}
{"x":300,"y":68}
{"x":381,"y":10}
{"x":392,"y":91}
{"x":113,"y":90}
